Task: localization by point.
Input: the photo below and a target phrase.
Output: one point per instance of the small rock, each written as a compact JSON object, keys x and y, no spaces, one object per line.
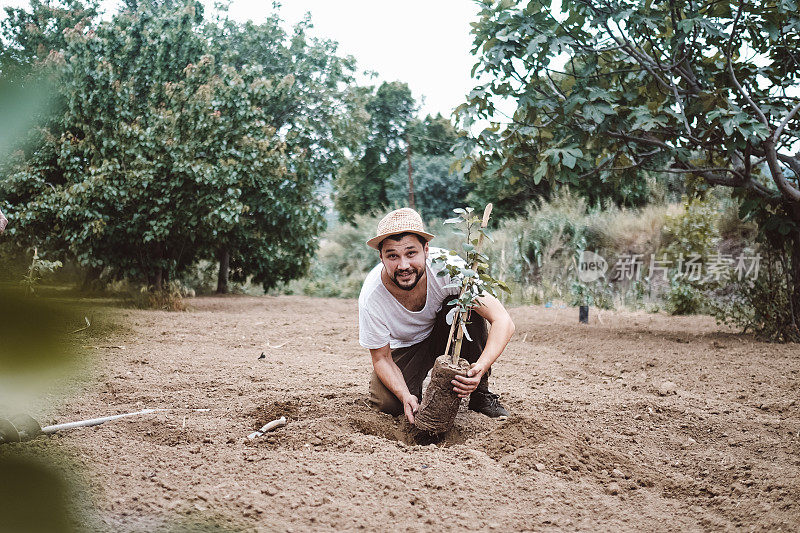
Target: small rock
{"x":618,"y":473}
{"x":208,"y":440}
{"x":539,"y":467}
{"x":269,"y":491}
{"x":612,"y":488}
{"x":666,"y":388}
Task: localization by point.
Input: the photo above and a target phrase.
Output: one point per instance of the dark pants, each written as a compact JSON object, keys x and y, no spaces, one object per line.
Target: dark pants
{"x":415,"y":361}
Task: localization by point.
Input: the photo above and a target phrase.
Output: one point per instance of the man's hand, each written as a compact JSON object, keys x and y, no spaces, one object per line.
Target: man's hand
{"x":464,"y":385}
{"x":410,"y":407}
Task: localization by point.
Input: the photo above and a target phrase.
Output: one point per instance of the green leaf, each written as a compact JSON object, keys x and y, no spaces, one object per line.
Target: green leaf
{"x":568,"y":160}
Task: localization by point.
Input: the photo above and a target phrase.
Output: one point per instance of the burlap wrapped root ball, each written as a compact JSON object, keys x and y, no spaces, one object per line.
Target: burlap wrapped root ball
{"x":439,"y":402}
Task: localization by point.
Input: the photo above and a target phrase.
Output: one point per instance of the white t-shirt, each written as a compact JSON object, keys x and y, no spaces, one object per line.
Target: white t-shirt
{"x":383,"y":320}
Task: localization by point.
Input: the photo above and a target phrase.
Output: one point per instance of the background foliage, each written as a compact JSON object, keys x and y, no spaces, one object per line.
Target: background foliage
{"x":704,"y":90}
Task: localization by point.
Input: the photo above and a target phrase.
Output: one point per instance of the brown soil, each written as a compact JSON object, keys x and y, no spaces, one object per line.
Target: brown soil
{"x":636,"y":422}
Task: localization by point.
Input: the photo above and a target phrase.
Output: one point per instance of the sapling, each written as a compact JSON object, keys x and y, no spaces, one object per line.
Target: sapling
{"x":471,"y":274}
{"x":39,"y":267}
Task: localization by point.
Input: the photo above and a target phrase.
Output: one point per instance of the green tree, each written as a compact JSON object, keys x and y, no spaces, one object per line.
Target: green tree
{"x":28,"y":37}
{"x":701,"y":89}
{"x":437,"y":188}
{"x":320,"y":116}
{"x":30,"y":101}
{"x":432,"y":136}
{"x":363,"y":183}
{"x":165,"y":155}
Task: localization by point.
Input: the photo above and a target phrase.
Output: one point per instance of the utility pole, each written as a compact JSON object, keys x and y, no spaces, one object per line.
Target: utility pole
{"x":410,"y":177}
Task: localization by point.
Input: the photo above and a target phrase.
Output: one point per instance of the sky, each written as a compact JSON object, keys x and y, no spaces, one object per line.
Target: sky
{"x":425,"y":43}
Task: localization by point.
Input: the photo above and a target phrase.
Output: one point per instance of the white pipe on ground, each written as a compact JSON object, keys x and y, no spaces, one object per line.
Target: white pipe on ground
{"x":94,"y":421}
{"x":268,"y":427}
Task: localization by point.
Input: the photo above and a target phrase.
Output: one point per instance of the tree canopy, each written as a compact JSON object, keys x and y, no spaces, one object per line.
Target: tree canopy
{"x":606,"y":90}
{"x":363,"y":183}
{"x":437,"y":186}
{"x":175,"y":145}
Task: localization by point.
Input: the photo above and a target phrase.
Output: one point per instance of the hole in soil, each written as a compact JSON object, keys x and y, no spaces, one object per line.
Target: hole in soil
{"x":330,"y":422}
{"x":399,"y":430}
{"x":272,"y":411}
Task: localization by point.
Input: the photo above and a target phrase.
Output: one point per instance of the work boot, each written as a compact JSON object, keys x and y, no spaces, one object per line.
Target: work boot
{"x":487,"y":403}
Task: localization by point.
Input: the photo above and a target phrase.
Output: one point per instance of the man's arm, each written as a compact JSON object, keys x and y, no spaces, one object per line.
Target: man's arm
{"x":500,"y":332}
{"x":3,"y":222}
{"x":391,"y":376}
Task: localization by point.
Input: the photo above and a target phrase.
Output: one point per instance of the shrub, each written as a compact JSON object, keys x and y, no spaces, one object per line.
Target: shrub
{"x":691,"y":232}
{"x":683,"y":297}
{"x":761,"y":305}
{"x":168,"y":299}
{"x":543,"y":242}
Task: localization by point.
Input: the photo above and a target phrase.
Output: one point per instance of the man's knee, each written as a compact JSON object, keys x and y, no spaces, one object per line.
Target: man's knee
{"x":382,"y":398}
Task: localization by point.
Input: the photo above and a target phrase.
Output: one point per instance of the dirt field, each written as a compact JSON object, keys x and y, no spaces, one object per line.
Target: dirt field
{"x":636,"y":422}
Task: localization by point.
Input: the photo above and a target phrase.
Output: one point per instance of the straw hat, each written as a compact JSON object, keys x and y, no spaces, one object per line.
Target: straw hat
{"x":399,"y":221}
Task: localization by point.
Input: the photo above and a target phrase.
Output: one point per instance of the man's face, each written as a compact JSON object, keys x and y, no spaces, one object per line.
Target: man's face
{"x":404,"y":261}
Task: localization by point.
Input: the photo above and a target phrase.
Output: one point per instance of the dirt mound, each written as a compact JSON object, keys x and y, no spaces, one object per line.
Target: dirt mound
{"x":332,"y":422}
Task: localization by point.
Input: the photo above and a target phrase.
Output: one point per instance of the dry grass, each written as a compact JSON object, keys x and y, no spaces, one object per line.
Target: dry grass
{"x":626,"y":231}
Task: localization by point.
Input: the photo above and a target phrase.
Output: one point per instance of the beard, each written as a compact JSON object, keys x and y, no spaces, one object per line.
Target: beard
{"x":409,"y":282}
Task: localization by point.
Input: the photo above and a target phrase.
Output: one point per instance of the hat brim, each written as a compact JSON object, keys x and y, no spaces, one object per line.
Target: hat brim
{"x":375,"y":241}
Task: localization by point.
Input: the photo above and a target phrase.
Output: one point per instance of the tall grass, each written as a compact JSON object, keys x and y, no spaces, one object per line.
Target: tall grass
{"x":536,"y":253}
{"x":342,"y":262}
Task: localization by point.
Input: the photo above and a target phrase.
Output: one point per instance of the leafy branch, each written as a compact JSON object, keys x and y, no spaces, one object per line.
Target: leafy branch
{"x":470,"y":274}
{"x":36,"y":270}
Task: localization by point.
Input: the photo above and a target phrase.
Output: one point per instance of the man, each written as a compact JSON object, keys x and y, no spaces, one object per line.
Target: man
{"x":402,"y":321}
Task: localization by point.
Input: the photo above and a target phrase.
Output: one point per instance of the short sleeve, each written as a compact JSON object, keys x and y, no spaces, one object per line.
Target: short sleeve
{"x":372,"y":333}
